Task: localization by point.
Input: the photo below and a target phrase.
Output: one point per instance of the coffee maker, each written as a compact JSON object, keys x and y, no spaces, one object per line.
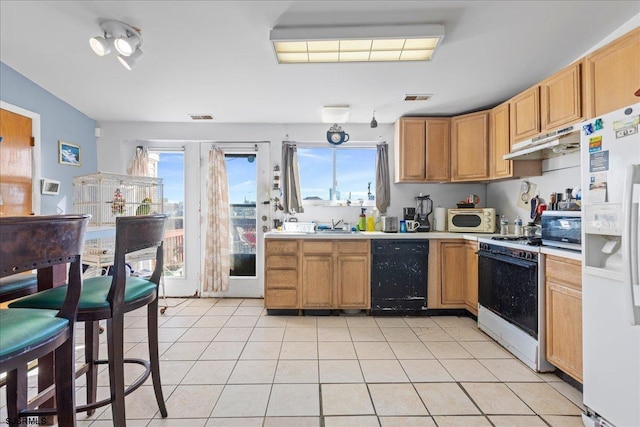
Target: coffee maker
{"x":409,"y":213}
{"x":424,"y":207}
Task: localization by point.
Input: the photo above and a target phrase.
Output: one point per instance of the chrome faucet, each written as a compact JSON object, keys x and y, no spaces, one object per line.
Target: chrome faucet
{"x":335,"y":224}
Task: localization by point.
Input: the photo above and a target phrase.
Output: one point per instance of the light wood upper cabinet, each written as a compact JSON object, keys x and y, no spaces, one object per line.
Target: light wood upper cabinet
{"x":613,"y":75}
{"x":563,"y":285}
{"x":561,"y":98}
{"x":501,"y":145}
{"x":470,"y":147}
{"x":525,"y":114}
{"x":421,"y":147}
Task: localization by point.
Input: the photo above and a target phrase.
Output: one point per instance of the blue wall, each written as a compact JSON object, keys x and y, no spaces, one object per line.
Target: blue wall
{"x":58,"y":121}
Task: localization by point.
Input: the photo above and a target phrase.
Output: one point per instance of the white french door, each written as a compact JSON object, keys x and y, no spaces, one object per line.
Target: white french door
{"x":249,"y":187}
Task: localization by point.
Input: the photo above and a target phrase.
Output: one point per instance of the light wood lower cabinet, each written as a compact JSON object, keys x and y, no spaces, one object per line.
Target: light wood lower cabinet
{"x":453,"y":274}
{"x":281,"y":274}
{"x":317,"y":274}
{"x":563,"y":286}
{"x":471,"y":277}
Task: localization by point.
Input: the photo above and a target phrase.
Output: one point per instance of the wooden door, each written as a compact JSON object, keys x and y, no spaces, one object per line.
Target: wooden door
{"x":317,"y":281}
{"x":410,"y":150}
{"x":561,"y":98}
{"x":16,"y":164}
{"x":438,"y":149}
{"x":525,"y":114}
{"x":470,"y":147}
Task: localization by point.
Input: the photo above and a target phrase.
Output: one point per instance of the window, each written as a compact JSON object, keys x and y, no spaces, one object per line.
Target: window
{"x":337,"y":174}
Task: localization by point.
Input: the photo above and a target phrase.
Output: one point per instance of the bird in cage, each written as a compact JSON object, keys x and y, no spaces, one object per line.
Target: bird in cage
{"x":145,"y":207}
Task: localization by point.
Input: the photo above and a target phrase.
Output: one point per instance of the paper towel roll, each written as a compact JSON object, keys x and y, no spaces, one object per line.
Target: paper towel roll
{"x":440,"y":219}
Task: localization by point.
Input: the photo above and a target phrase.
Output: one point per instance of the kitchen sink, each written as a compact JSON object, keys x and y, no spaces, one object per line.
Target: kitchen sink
{"x":330,"y":231}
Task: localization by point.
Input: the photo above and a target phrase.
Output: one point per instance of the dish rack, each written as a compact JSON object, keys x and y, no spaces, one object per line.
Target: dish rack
{"x":106,"y":196}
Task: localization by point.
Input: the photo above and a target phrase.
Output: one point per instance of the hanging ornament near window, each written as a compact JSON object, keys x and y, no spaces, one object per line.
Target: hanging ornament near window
{"x":276,"y":177}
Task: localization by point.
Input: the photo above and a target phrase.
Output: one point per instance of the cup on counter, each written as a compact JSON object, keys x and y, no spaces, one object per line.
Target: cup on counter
{"x":411,"y":225}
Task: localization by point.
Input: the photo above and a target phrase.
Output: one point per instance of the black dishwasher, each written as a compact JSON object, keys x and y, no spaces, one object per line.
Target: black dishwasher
{"x":399,"y":276}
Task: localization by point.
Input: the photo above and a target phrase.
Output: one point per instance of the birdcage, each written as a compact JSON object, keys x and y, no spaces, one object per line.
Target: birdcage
{"x":107,"y":196}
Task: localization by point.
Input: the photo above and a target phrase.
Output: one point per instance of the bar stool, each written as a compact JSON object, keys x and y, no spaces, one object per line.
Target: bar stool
{"x":40,"y":242}
{"x":109,"y":298}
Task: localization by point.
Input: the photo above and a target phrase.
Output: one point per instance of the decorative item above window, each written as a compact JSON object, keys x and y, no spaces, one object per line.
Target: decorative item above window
{"x":336,"y":136}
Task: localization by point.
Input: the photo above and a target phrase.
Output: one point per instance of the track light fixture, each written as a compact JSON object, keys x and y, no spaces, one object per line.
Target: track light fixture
{"x":123,"y":37}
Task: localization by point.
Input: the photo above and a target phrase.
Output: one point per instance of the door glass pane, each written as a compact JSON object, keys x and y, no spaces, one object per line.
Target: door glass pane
{"x":169,"y":165}
{"x":242,"y":180}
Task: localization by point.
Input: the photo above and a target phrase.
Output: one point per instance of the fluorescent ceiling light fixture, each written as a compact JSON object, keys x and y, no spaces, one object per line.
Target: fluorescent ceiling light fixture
{"x":125,"y":38}
{"x":337,"y":114}
{"x":378,"y":43}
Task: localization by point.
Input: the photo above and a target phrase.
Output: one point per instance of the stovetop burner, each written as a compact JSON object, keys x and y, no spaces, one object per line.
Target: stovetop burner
{"x":509,"y":238}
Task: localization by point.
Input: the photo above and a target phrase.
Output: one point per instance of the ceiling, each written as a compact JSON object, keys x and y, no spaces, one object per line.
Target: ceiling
{"x":214,"y":57}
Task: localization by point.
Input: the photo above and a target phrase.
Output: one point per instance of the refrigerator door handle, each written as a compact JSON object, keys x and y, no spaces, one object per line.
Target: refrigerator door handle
{"x":630,"y":241}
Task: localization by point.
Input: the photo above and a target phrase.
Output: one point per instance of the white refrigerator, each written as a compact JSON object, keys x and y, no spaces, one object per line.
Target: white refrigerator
{"x":610,"y":155}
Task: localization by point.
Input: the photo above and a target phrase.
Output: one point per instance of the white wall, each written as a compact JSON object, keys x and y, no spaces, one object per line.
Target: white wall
{"x":116,"y":147}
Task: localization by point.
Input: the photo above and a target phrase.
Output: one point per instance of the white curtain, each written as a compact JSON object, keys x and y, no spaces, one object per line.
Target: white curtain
{"x":139,"y":165}
{"x":216,"y":256}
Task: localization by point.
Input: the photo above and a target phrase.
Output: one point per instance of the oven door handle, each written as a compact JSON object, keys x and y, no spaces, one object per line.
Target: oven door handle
{"x":515,"y":261}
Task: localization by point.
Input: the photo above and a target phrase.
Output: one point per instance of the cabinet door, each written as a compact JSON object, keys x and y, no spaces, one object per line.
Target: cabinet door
{"x":613,"y":75}
{"x":564,"y":328}
{"x":353,"y":285}
{"x":470,"y":147}
{"x":561,"y":98}
{"x":525,"y":114}
{"x":317,"y":281}
{"x":500,"y":141}
{"x":453,"y":270}
{"x":438,"y":147}
{"x":410,"y":150}
{"x":563,"y":288}
{"x":471,"y":288}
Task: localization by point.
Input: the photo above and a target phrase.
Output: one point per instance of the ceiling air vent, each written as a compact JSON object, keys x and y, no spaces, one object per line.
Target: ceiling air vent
{"x":423,"y":97}
{"x":201,"y":116}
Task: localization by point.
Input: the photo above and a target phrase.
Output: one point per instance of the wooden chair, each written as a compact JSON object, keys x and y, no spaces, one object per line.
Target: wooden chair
{"x":110,"y":297}
{"x":39,"y":242}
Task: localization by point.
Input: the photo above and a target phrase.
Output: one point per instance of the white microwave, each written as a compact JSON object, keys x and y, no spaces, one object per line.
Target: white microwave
{"x":472,"y":220}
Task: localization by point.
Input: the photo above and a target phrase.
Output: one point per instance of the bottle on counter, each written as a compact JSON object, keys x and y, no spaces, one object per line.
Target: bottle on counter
{"x":371,"y":221}
{"x":517,"y":224}
{"x":504,"y":225}
{"x":362,"y":220}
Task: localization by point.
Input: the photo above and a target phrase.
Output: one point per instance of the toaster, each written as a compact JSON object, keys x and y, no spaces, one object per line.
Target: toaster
{"x":390,"y":224}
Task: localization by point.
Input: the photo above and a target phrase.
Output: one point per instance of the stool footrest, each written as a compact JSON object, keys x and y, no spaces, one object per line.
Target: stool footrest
{"x":104,"y":402}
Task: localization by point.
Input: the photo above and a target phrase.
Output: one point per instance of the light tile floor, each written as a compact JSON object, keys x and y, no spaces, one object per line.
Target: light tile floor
{"x":225,"y":362}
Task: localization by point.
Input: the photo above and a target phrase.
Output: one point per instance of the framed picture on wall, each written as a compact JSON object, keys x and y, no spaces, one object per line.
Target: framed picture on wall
{"x":68,"y":154}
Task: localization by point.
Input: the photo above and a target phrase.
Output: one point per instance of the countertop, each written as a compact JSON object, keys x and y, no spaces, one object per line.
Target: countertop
{"x":370,"y":235}
{"x":565,"y":253}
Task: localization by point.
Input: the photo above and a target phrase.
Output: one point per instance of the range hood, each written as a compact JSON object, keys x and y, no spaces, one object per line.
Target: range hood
{"x":558,"y":143}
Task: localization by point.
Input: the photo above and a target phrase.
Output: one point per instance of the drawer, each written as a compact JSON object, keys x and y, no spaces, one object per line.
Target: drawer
{"x":317,"y":247}
{"x":281,"y":279}
{"x":348,"y":247}
{"x":281,"y":246}
{"x":281,"y":298}
{"x":282,"y":261}
{"x":564,"y":271}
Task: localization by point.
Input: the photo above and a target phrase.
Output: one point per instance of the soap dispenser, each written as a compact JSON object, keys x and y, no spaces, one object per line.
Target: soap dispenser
{"x":362,"y":220}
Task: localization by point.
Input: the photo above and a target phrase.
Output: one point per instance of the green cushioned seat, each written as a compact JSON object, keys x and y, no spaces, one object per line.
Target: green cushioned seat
{"x":21,"y":328}
{"x":93,"y":297}
{"x":18,"y":281}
